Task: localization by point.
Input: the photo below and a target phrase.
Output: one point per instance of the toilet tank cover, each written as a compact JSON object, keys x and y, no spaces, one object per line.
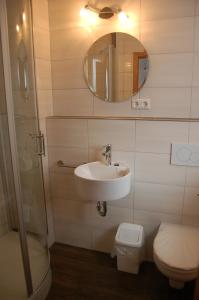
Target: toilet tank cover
{"x":177,"y":246}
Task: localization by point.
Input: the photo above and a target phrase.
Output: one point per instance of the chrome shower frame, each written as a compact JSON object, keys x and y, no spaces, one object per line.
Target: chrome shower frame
{"x":44,"y":287}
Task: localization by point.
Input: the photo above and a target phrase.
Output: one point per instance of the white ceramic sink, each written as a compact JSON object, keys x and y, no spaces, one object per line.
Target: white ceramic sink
{"x":99,"y":182}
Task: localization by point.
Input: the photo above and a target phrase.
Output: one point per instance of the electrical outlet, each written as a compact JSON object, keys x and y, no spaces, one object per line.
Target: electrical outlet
{"x":141,"y":104}
{"x":146,"y":104}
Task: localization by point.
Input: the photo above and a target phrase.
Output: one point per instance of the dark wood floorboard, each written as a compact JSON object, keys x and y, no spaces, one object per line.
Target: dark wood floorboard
{"x":80,"y":274}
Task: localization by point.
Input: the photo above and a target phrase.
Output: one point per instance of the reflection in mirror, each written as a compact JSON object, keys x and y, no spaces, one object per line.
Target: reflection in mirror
{"x":116,"y":67}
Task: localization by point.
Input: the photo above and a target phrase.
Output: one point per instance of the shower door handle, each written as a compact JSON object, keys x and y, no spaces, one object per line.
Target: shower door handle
{"x":40,"y":143}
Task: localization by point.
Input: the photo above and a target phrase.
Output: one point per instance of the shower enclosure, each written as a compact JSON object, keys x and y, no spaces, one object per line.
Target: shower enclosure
{"x":24,"y":258}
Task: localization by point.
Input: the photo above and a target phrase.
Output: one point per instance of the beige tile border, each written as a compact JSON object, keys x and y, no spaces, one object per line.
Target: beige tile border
{"x":166,"y":119}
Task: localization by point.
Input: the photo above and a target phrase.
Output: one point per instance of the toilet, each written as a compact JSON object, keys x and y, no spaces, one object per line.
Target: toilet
{"x":176,"y":253}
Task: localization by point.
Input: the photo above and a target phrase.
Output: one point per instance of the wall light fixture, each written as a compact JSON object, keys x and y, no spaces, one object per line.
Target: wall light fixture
{"x":90,"y":12}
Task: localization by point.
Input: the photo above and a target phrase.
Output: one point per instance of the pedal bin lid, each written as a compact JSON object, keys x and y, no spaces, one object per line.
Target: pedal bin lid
{"x":129,"y":235}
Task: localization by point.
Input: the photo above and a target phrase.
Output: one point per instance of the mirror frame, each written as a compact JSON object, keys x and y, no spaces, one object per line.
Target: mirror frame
{"x":136,"y":55}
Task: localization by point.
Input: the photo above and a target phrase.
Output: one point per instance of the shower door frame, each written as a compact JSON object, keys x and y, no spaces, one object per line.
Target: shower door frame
{"x":13,"y":146}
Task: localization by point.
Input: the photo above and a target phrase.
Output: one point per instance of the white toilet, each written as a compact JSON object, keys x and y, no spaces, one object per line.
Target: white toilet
{"x":176,"y":253}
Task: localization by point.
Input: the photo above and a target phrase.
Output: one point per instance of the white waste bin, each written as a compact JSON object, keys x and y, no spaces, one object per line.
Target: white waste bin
{"x":129,"y":246}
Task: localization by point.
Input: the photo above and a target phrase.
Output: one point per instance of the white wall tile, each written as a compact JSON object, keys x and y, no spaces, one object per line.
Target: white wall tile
{"x":70,"y":156}
{"x":115,"y":216}
{"x":167,"y":36}
{"x":70,"y":43}
{"x":195,"y":103}
{"x":197,"y":7}
{"x":191,"y":202}
{"x":76,"y":212}
{"x":76,"y":102}
{"x":156,"y":168}
{"x":157,"y":137}
{"x":159,"y":198}
{"x":64,"y":132}
{"x":41,"y":43}
{"x":196,"y":46}
{"x":40,"y":14}
{"x":194,"y":133}
{"x":68,"y":74}
{"x":102,"y":108}
{"x":73,"y":234}
{"x":192,"y":177}
{"x":190,"y":220}
{"x":161,"y":9}
{"x":64,"y":14}
{"x":103,"y":239}
{"x":126,"y":202}
{"x":167,"y":70}
{"x":45,"y":103}
{"x":120,"y":134}
{"x":196,"y":69}
{"x":43,"y":74}
{"x":167,"y":102}
{"x":63,"y":186}
{"x":147,"y":217}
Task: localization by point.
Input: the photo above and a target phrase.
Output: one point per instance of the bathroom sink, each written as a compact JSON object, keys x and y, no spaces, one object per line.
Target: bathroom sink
{"x":99,"y":182}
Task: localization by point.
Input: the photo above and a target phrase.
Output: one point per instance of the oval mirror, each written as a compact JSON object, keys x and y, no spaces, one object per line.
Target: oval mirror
{"x":116,"y":67}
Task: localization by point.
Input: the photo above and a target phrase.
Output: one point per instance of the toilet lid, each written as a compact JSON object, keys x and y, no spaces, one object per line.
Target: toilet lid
{"x":177,"y":246}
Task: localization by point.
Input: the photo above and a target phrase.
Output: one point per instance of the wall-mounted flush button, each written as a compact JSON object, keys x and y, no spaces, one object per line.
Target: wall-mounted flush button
{"x":185,"y":155}
{"x":141,"y":104}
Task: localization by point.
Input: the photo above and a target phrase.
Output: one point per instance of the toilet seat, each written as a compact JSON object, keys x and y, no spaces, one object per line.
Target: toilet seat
{"x":176,"y":251}
{"x":176,"y":274}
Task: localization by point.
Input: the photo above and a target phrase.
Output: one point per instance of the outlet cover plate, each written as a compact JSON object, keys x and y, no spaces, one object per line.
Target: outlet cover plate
{"x":141,"y":104}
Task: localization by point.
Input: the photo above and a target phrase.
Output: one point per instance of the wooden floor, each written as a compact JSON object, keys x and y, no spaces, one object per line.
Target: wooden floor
{"x":80,"y":274}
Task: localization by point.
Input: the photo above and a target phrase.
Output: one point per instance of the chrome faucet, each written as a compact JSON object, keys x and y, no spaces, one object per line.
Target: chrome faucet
{"x":107,"y":153}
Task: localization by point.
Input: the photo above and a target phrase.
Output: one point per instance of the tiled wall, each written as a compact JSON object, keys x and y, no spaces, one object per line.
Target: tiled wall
{"x":160,"y":192}
{"x":168,"y":29}
{"x":41,"y":38}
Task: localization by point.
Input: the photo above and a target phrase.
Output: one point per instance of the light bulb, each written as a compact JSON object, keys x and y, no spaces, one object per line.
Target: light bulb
{"x":24,"y":17}
{"x":17,"y":28}
{"x":123,"y":17}
{"x":84,"y":12}
{"x":89,"y":17}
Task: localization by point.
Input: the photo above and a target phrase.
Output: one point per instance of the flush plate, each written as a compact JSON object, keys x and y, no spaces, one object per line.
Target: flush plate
{"x":185,"y":155}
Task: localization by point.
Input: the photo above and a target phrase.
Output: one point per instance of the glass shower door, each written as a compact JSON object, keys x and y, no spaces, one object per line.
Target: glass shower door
{"x":29,"y":141}
{"x":12,"y":279}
